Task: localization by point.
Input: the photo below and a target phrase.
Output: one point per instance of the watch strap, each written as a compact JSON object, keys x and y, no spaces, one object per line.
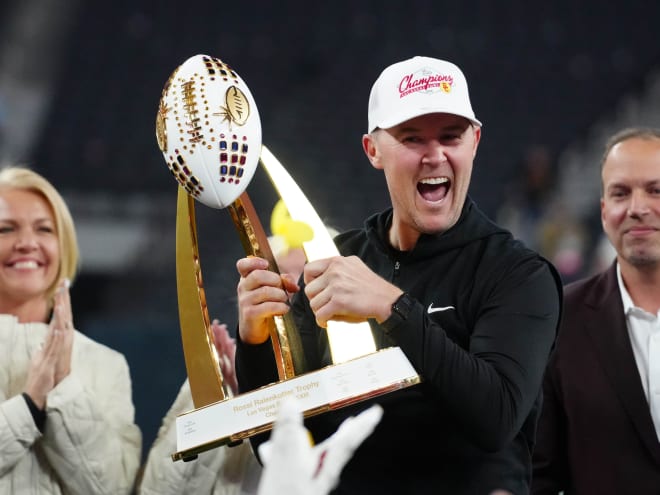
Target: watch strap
{"x":401,"y":308}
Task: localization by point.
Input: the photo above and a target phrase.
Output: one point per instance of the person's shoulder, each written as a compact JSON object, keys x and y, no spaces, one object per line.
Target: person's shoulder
{"x":509,"y":250}
{"x":577,"y":289}
{"x":512,"y":260}
{"x":349,"y":235}
{"x":92,"y":348}
{"x":580,"y":285}
{"x":583,"y":300}
{"x":350,"y":242}
{"x":373,"y":232}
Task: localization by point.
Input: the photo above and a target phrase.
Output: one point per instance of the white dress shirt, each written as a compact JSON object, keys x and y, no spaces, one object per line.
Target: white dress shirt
{"x":644,"y":333}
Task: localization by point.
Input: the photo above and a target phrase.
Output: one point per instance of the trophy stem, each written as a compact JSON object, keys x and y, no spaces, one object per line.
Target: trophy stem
{"x":285,"y":338}
{"x":204,"y":375}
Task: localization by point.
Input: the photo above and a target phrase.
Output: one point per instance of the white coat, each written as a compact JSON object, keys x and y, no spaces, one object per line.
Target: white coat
{"x":91,"y":444}
{"x":223,"y":470}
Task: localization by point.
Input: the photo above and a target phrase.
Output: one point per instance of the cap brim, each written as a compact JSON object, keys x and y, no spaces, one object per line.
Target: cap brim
{"x":400,"y":119}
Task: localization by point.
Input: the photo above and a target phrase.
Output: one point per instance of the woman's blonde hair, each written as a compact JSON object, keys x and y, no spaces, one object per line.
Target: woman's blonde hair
{"x":20,"y":177}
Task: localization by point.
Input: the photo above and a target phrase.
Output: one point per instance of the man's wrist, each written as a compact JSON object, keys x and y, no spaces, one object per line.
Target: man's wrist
{"x":401,"y":309}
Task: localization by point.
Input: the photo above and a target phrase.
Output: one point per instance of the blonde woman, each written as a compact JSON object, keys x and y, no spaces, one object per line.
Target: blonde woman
{"x":66,"y":411}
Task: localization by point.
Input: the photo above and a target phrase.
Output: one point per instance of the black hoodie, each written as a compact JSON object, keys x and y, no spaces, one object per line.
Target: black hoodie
{"x":469,"y":427}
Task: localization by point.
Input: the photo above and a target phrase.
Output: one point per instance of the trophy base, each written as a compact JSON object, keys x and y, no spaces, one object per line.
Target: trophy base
{"x":333,"y":387}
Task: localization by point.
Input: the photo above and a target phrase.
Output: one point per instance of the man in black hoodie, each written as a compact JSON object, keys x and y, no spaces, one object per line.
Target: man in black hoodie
{"x":475,"y":311}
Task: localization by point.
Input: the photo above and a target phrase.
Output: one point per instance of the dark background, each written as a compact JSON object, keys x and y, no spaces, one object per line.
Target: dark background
{"x":539,"y":73}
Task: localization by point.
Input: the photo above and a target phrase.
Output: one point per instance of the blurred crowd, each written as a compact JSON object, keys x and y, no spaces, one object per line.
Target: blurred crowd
{"x":535,"y":211}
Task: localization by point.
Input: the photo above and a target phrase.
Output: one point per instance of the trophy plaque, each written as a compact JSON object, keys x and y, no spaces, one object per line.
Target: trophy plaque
{"x":209,"y":132}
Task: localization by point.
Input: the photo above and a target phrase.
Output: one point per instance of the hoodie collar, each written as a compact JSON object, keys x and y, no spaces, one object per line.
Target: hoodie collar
{"x":472,"y":225}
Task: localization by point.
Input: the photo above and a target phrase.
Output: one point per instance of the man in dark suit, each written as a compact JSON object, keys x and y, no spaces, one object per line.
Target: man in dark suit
{"x":599,"y":431}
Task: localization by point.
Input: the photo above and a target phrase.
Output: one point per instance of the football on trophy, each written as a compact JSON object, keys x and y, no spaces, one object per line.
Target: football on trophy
{"x":209,"y":131}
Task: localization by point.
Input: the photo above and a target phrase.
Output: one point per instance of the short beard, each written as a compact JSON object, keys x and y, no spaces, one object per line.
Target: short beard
{"x":642,"y":260}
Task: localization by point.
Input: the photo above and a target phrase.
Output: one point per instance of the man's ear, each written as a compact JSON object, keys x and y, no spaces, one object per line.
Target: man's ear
{"x":371,"y":150}
{"x":477,"y":139}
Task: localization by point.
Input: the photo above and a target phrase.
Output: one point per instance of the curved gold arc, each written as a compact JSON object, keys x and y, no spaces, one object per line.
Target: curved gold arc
{"x":347,"y":340}
{"x":204,"y":375}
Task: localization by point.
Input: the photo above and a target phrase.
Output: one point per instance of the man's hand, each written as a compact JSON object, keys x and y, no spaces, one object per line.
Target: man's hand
{"x":343,"y":288}
{"x":262,"y":294}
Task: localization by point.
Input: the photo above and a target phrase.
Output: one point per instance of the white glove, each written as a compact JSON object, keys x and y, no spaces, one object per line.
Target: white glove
{"x":292,"y":465}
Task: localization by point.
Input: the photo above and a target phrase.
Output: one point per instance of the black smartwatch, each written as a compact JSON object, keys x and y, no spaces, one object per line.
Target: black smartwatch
{"x":401,"y":308}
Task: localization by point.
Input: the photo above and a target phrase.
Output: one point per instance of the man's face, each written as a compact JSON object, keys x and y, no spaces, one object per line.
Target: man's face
{"x":427,"y":163}
{"x":630,"y":206}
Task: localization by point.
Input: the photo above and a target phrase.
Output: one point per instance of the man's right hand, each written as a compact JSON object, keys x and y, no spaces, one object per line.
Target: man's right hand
{"x":262,"y":294}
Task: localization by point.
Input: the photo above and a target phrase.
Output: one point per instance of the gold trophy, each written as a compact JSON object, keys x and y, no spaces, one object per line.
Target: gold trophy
{"x":209,"y":132}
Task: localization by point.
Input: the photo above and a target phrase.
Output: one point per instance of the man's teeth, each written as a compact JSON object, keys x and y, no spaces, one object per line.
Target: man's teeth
{"x":435,"y":180}
{"x":26,"y":264}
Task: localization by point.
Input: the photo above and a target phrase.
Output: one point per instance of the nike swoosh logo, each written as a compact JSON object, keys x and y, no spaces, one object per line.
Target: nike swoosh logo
{"x":439,"y":308}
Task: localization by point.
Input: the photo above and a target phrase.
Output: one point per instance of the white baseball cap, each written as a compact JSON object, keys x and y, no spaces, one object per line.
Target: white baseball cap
{"x":418,"y":86}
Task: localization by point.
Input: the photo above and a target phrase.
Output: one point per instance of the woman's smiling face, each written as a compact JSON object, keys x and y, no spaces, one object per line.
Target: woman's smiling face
{"x":29,"y":246}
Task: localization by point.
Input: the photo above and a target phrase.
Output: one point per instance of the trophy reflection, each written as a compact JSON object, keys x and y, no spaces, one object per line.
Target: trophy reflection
{"x":209,"y":132}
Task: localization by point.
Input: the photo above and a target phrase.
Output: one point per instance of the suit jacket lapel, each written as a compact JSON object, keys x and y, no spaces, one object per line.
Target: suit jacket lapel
{"x":608,"y":331}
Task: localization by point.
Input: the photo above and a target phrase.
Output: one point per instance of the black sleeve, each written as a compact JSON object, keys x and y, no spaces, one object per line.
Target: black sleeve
{"x":38,"y":415}
{"x":502,"y":368}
